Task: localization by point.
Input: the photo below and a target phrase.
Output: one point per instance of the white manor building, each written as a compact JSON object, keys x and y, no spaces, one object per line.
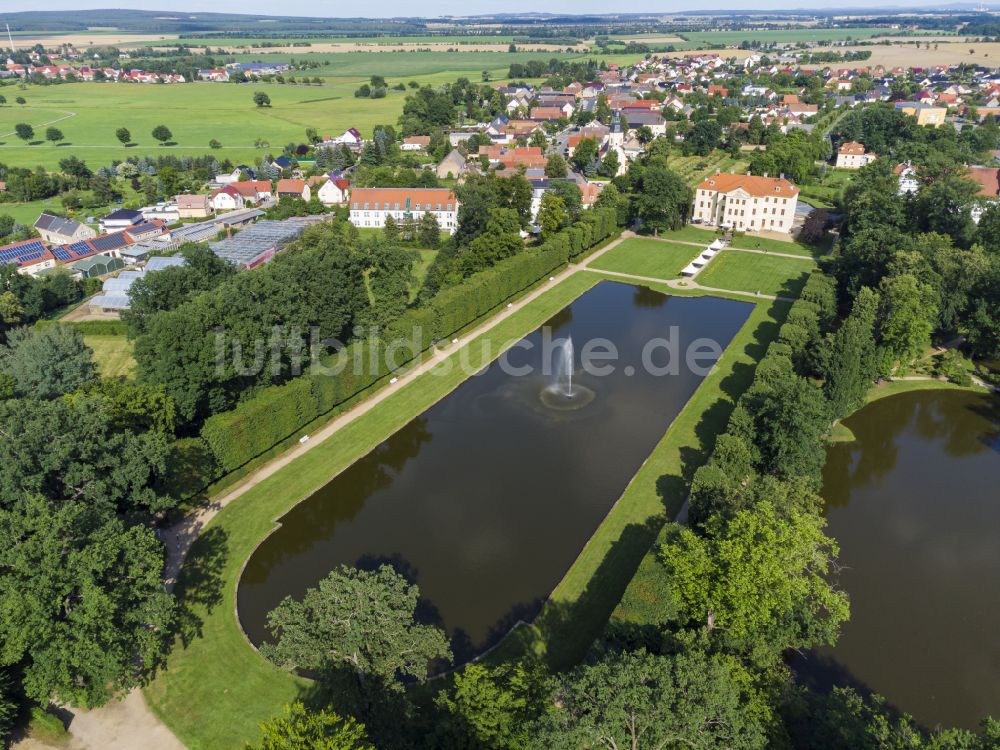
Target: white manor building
{"x":852,"y":155}
{"x":746,"y":203}
{"x":371,"y":206}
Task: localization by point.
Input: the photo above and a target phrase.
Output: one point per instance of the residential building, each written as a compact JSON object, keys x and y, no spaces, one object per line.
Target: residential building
{"x":925,"y":114}
{"x":293,"y":189}
{"x":121,"y":219}
{"x":193,"y":206}
{"x":907,"y":178}
{"x":416,"y":143}
{"x":334,"y":191}
{"x":58,"y":230}
{"x":452,"y":165}
{"x":371,"y":206}
{"x":852,"y":155}
{"x":350,"y":138}
{"x":746,"y":202}
{"x":30,"y":256}
{"x":226,"y":198}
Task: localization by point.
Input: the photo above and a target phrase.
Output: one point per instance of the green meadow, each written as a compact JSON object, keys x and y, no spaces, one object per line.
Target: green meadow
{"x":199,"y":112}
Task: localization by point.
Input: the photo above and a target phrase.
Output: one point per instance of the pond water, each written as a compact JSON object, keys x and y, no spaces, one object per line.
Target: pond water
{"x":915,"y":504}
{"x":486,"y":499}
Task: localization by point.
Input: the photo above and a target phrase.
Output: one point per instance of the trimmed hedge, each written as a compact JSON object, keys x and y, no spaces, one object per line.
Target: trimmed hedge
{"x":275,"y":413}
{"x":91,"y":327}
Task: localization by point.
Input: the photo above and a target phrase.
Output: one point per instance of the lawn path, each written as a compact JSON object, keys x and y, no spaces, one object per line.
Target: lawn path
{"x":65,"y":116}
{"x":689,"y":285}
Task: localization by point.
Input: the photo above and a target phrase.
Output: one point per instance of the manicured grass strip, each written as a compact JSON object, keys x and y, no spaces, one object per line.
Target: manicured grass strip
{"x":752,"y":272}
{"x":216,"y":688}
{"x":112,"y":355}
{"x":581,"y":604}
{"x":748,"y":242}
{"x":690,"y":234}
{"x":643,"y":257}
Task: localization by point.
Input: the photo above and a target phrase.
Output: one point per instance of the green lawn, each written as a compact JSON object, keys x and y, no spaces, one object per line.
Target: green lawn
{"x":690,"y":233}
{"x":201,"y":111}
{"x":749,"y":242}
{"x":646,"y":257}
{"x":753,"y":272}
{"x":112,"y":354}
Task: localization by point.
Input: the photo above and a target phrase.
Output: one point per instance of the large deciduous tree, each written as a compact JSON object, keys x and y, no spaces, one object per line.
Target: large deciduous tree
{"x":639,"y":700}
{"x":82,"y":602}
{"x":300,"y":729}
{"x":47,"y":362}
{"x":759,"y":582}
{"x":358,"y":620}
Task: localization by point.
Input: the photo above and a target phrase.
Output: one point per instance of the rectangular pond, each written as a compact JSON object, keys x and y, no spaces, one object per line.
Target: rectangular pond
{"x":486,"y":499}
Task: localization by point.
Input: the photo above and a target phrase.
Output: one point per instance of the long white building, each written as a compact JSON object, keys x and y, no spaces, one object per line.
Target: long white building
{"x":371,"y":206}
{"x":746,"y":203}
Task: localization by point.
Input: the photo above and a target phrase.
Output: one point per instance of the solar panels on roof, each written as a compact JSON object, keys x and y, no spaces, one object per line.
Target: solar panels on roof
{"x":22,"y":253}
{"x":109,"y":242}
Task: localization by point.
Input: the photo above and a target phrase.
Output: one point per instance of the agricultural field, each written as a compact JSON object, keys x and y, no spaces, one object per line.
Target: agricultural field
{"x":908,"y":54}
{"x":791,"y":36}
{"x":753,"y":272}
{"x":222,"y":41}
{"x":201,"y":111}
{"x":645,"y":257}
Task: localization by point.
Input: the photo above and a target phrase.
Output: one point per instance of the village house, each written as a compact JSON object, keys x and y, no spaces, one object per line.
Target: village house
{"x":746,"y":202}
{"x":371,"y":206}
{"x":58,"y":230}
{"x":193,"y":206}
{"x":451,"y":166}
{"x":350,"y":138}
{"x":121,"y":219}
{"x":334,"y":191}
{"x":30,"y":256}
{"x":416,"y":143}
{"x":852,"y":155}
{"x":293,"y":189}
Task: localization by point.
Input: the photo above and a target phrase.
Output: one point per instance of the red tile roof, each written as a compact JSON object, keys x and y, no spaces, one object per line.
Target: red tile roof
{"x":752,"y":184}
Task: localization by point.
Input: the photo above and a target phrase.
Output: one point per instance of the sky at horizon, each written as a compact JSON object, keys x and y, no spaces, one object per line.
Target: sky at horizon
{"x":394,"y":8}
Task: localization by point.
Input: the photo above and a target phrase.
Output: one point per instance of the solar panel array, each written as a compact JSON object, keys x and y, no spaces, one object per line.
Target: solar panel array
{"x":109,"y":242}
{"x":77,"y":250}
{"x":23,"y":253}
